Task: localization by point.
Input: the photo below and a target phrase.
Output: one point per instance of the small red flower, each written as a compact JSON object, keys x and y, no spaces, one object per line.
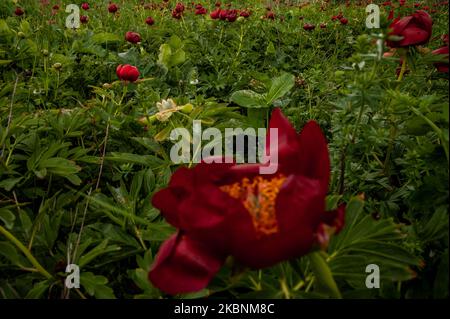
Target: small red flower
{"x":176,"y":15}
{"x":55,"y":7}
{"x":84,"y":19}
{"x":200,"y":11}
{"x":215,"y":14}
{"x":343,"y":21}
{"x":232,"y":15}
{"x":179,"y":7}
{"x":270,"y":15}
{"x":19,"y":11}
{"x":85,"y":6}
{"x":127,"y":72}
{"x":223,"y":14}
{"x":323,"y":25}
{"x":414,"y":29}
{"x":231,"y":209}
{"x":244,"y":14}
{"x":150,"y":21}
{"x":133,"y":37}
{"x":309,"y":27}
{"x":442,"y":66}
{"x":112,"y":8}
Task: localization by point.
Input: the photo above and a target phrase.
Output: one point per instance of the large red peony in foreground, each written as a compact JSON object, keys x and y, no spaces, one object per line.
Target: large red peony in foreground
{"x":231,"y":209}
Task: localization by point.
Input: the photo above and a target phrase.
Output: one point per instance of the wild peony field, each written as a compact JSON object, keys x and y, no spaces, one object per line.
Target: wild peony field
{"x":98,"y":99}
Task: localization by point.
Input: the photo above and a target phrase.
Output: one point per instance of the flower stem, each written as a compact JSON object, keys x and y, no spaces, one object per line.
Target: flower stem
{"x":26,"y":252}
{"x":402,"y":70}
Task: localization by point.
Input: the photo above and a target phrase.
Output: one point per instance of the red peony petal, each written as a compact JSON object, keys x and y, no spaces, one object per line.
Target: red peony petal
{"x":314,"y":159}
{"x":414,"y":36}
{"x":286,"y":132}
{"x":299,"y":206}
{"x":183,"y":265}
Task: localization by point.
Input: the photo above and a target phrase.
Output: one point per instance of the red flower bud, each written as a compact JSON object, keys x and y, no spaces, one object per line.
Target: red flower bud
{"x":19,"y":11}
{"x":133,"y":37}
{"x":85,"y":6}
{"x":127,"y":72}
{"x":343,"y":21}
{"x":112,"y":8}
{"x":150,"y":21}
{"x":200,"y":11}
{"x":84,"y":19}
{"x":309,"y":26}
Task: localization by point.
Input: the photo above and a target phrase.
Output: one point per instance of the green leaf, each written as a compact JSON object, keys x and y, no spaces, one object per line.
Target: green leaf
{"x":105,"y":37}
{"x":96,"y":286}
{"x":101,"y":249}
{"x":38,"y":290}
{"x":280,"y":86}
{"x":248,"y":98}
{"x":364,"y":241}
{"x":324,"y":278}
{"x":7,"y":217}
{"x":9,"y":183}
{"x":10,"y":252}
{"x":146,"y":160}
{"x":2,"y":62}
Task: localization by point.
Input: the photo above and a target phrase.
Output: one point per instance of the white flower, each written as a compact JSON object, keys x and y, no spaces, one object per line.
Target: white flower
{"x":165,"y":108}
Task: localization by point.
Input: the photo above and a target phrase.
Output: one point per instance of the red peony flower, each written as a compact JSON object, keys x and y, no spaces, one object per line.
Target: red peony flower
{"x":179,"y":7}
{"x":244,"y":14}
{"x":309,"y":27}
{"x":133,"y":37}
{"x":442,"y":66}
{"x":85,"y":6}
{"x":84,"y":19}
{"x":176,"y":14}
{"x":232,"y":15}
{"x":150,"y":21}
{"x":127,"y":72}
{"x":112,"y":8}
{"x":323,"y":25}
{"x":337,"y":17}
{"x":343,"y":21}
{"x":231,"y":209}
{"x":215,"y":14}
{"x":200,"y":11}
{"x":415,"y":30}
{"x":19,"y":11}
{"x":270,"y":15}
{"x":223,"y":14}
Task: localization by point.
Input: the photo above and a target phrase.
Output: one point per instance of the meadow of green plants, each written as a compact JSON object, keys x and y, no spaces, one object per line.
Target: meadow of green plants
{"x":83,"y":148}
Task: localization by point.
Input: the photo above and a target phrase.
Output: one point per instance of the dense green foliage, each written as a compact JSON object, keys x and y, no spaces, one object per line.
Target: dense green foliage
{"x":78,"y":167}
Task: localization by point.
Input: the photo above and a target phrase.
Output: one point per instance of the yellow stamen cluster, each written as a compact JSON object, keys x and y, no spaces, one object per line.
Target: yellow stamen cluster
{"x":258,"y":196}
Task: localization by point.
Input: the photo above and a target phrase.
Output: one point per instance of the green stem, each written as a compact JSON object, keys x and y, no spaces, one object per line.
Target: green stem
{"x":26,"y":252}
{"x":402,"y":70}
